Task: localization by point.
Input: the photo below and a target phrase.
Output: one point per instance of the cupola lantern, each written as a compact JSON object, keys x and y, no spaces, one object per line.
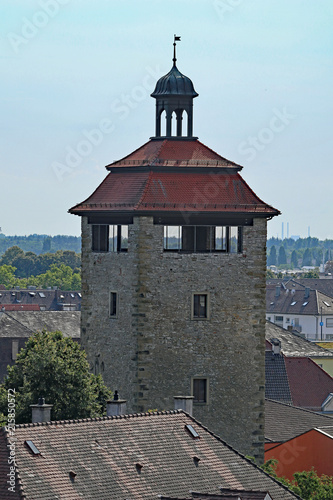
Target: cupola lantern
{"x":174,"y":94}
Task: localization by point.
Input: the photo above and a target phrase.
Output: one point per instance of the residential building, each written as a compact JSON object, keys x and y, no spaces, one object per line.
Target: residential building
{"x":294,"y":346}
{"x":17,"y":326}
{"x":33,"y":299}
{"x":296,"y":381}
{"x":299,"y":439}
{"x":306,"y":311}
{"x":173,"y":264}
{"x":143,"y":456}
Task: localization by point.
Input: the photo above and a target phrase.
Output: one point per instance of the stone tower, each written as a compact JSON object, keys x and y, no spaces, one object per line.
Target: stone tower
{"x":173,"y":277}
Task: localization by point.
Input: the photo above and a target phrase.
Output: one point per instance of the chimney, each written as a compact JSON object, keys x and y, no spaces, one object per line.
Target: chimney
{"x":277,"y":291}
{"x":184,"y":403}
{"x":115,"y":406}
{"x":41,"y":412}
{"x":276,"y":346}
{"x":307,"y":292}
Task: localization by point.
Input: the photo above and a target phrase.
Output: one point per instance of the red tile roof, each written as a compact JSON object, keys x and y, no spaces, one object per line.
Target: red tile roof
{"x":133,"y":456}
{"x":177,"y":176}
{"x":178,"y":153}
{"x":20,"y":307}
{"x":309,"y":384}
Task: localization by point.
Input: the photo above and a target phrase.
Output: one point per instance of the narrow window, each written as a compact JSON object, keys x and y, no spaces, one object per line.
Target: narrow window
{"x":200,"y":306}
{"x":172,"y":237}
{"x":113,"y":304}
{"x":233,"y":239}
{"x":329,"y":322}
{"x":100,"y":238}
{"x":15,"y":346}
{"x":200,"y":390}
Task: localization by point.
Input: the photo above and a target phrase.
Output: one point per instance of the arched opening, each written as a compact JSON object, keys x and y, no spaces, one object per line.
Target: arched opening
{"x":185,"y":121}
{"x":173,"y":124}
{"x":163,"y":124}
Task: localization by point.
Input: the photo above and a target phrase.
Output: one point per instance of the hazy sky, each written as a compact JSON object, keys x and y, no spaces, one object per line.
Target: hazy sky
{"x":75,"y":84}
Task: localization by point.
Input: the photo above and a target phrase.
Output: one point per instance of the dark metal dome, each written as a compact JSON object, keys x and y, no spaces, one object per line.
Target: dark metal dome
{"x":174,"y":83}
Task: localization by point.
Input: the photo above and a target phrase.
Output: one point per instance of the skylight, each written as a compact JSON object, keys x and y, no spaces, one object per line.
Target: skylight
{"x":42,"y":295}
{"x":72,"y":295}
{"x":327,"y":304}
{"x":304,"y":304}
{"x":293,"y":303}
{"x":32,"y":294}
{"x":32,"y":447}
{"x":79,"y":294}
{"x":192,"y":431}
{"x":272,"y":303}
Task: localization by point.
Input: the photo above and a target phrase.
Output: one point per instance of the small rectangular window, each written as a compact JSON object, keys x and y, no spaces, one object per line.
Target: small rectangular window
{"x":329,"y":322}
{"x":200,"y":306}
{"x":200,"y":390}
{"x":15,"y":346}
{"x":113,"y":304}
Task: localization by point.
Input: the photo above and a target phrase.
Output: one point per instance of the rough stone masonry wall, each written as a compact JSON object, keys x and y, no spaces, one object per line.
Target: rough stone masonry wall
{"x":154,"y":348}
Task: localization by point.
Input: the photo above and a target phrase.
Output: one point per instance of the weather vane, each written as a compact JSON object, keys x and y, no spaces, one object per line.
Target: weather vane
{"x":175,"y":39}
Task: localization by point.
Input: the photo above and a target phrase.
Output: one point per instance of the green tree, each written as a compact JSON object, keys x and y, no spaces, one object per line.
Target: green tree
{"x":47,"y":244}
{"x":282,"y":259}
{"x":294,"y":258}
{"x":11,"y":254}
{"x":271,"y":261}
{"x":54,"y":367}
{"x":7,"y":276}
{"x":307,"y":258}
{"x":308,"y":485}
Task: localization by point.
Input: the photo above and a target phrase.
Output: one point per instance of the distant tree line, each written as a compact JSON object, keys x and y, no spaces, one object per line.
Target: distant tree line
{"x":40,"y":243}
{"x":291,"y":254}
{"x":61,"y":269}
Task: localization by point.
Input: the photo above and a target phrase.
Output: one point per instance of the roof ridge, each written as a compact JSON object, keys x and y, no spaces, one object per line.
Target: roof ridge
{"x":299,"y":408}
{"x":93,"y":419}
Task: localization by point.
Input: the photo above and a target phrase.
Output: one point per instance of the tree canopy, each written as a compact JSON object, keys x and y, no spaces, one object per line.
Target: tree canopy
{"x":56,"y":368}
{"x":306,"y":484}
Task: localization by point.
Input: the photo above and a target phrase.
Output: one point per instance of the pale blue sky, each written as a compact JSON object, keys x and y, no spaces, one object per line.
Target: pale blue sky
{"x":262,"y":68}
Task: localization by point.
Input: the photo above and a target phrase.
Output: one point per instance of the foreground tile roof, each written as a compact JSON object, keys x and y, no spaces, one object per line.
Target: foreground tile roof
{"x":283,"y":422}
{"x":129,"y":457}
{"x":295,"y":345}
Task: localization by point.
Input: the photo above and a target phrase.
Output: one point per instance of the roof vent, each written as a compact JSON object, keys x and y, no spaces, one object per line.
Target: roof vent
{"x":115,"y":406}
{"x":184,"y":403}
{"x":276,"y":346}
{"x":41,"y":412}
{"x":139,"y":468}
